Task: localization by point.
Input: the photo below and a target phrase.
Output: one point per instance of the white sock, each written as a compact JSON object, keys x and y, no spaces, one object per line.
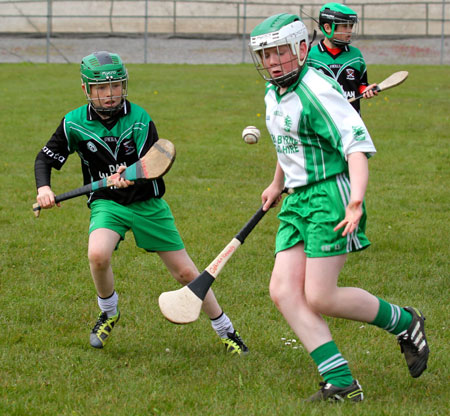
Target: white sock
{"x":109,"y":305}
{"x":222,"y":325}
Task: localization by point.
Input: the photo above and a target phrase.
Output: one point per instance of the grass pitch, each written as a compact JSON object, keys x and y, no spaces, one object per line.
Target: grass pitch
{"x":151,"y":367}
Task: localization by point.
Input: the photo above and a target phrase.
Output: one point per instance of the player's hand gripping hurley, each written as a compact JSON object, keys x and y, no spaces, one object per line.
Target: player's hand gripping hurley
{"x":183,"y":306}
{"x":392,"y":81}
{"x":154,"y":164}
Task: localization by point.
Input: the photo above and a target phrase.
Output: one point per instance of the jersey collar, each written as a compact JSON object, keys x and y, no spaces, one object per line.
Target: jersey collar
{"x":324,"y":49}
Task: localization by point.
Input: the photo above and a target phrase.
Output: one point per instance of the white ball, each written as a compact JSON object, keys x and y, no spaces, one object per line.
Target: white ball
{"x":251,"y":135}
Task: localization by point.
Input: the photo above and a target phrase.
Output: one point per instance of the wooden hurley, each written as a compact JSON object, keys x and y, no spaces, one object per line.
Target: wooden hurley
{"x":392,"y":81}
{"x":154,"y":164}
{"x":183,"y":306}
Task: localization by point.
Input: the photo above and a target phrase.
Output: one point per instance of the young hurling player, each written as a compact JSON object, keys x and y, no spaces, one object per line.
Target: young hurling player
{"x":335,"y":57}
{"x":322,"y":148}
{"x":110,"y":133}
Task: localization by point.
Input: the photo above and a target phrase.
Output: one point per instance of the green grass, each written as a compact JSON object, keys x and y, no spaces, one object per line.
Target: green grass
{"x":47,"y":299}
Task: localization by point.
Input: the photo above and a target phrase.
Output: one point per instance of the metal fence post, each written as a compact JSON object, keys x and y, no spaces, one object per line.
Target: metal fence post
{"x":442,"y":33}
{"x":175,"y":17}
{"x":244,"y":31}
{"x":146,"y":32}
{"x":111,"y":7}
{"x":49,"y":30}
{"x":362,"y":19}
{"x":238,"y":17}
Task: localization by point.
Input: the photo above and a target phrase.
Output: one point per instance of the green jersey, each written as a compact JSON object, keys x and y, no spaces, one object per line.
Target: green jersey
{"x":314,"y":129}
{"x":347,"y":67}
{"x":103,"y":146}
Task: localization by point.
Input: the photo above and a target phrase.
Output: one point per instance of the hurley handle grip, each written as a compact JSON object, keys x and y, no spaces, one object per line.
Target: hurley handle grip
{"x":377,"y":88}
{"x":66,"y":195}
{"x":247,"y":228}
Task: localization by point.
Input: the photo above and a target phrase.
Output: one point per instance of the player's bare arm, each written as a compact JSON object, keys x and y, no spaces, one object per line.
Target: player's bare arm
{"x":271,"y":196}
{"x":359,"y":175}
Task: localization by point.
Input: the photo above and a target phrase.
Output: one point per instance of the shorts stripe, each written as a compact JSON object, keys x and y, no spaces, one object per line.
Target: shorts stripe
{"x":343,"y":183}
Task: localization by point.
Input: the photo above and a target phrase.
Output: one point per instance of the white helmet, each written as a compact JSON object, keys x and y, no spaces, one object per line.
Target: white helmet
{"x":275,"y":31}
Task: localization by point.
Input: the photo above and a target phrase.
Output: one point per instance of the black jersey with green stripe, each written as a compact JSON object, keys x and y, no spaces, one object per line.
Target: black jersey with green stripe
{"x":348,"y":68}
{"x":104,"y":146}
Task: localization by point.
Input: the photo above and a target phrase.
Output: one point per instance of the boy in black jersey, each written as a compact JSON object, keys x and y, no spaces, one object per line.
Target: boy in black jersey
{"x":336,"y":58}
{"x":110,"y":133}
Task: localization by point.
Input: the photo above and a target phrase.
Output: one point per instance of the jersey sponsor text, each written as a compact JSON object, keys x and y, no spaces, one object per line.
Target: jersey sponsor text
{"x":285,"y":144}
{"x":53,"y":155}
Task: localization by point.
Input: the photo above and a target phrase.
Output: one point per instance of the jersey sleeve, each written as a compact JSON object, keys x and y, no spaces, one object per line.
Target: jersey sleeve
{"x":335,"y":119}
{"x":56,"y":151}
{"x":53,"y":155}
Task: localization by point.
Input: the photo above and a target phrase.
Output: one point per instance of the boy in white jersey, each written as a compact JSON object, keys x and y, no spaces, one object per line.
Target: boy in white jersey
{"x":322,"y":148}
{"x":110,"y":133}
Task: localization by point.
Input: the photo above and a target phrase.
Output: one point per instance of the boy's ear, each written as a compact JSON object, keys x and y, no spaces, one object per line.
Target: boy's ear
{"x":303,"y":52}
{"x":327,"y":27}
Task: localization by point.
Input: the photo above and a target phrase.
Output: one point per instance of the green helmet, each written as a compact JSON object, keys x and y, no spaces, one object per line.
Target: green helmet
{"x":104,"y":68}
{"x":337,"y":14}
{"x":280,"y":29}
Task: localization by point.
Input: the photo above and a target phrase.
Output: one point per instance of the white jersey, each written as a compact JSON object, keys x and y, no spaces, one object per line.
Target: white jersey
{"x":314,"y":128}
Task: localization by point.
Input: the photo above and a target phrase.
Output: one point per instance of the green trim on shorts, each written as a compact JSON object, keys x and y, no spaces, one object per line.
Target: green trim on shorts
{"x":310,"y":214}
{"x":151,"y":222}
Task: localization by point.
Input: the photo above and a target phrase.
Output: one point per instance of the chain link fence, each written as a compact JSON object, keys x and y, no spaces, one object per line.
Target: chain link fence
{"x":204,"y":31}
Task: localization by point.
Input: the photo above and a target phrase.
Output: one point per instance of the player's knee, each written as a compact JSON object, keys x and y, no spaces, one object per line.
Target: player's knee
{"x":278,"y":291}
{"x":318,"y":302}
{"x":98,"y":259}
{"x":186,"y":274}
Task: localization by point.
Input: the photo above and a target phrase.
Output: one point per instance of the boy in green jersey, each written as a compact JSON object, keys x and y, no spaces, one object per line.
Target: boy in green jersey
{"x":109,"y":134}
{"x":322,"y":148}
{"x":336,"y":58}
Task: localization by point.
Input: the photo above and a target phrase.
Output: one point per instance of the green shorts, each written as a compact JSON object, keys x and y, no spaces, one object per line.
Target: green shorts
{"x":151,"y":221}
{"x":310,"y":214}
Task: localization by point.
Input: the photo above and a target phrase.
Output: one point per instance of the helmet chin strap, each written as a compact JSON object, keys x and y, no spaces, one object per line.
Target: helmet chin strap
{"x":101,"y":111}
{"x":340,"y":43}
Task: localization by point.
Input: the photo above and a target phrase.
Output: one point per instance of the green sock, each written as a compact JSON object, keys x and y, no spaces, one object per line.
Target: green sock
{"x":392,"y":318}
{"x":331,"y":365}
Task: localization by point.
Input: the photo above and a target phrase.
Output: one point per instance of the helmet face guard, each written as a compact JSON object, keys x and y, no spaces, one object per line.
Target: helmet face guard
{"x":100,"y":69}
{"x":338,"y":14}
{"x":278,"y":32}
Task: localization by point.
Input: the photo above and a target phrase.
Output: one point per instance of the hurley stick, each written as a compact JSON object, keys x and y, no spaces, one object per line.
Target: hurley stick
{"x":183,"y":306}
{"x":392,"y":81}
{"x":154,"y":164}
